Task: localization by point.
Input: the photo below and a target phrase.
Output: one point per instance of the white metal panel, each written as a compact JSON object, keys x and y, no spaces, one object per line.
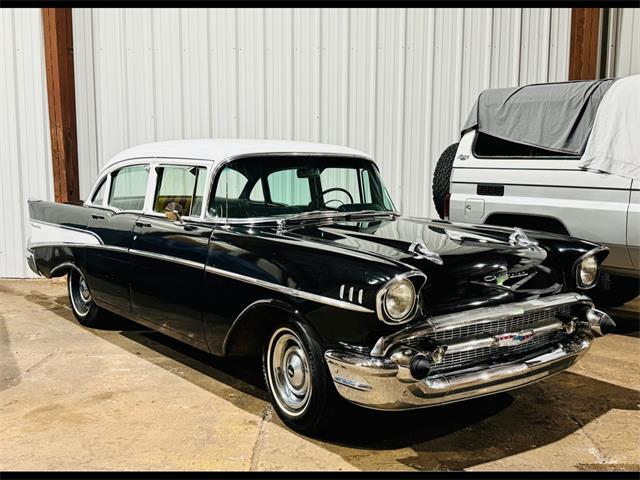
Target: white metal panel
{"x":334,"y":76}
{"x":25,"y":153}
{"x":306,"y":74}
{"x":627,"y":43}
{"x":89,"y":165}
{"x":223,"y":72}
{"x":396,"y":83}
{"x":139,"y":80}
{"x":251,"y":73}
{"x":279,"y":73}
{"x":389,"y":100}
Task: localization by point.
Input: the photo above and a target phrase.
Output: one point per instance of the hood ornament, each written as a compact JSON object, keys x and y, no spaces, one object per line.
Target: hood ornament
{"x":420,"y":250}
{"x":519,"y":238}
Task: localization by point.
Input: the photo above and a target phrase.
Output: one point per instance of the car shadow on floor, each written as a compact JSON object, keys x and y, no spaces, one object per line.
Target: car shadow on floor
{"x":451,"y":437}
{"x":627,"y":323}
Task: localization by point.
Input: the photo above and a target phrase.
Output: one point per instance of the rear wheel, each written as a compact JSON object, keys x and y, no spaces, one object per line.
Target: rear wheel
{"x":84,"y":308}
{"x":614,"y":290}
{"x":300,"y":387}
{"x":441,"y":178}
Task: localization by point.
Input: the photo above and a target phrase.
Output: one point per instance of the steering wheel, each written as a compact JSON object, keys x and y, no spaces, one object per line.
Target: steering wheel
{"x":337,"y":189}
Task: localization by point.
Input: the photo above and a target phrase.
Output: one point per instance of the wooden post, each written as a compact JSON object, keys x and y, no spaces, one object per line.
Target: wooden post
{"x":58,"y":50}
{"x":583,"y":52}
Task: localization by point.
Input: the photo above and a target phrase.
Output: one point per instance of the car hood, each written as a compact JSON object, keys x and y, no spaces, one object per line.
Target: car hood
{"x":463,"y":262}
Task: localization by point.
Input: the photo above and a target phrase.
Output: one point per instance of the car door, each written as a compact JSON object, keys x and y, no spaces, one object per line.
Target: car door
{"x":114,"y":214}
{"x":168,"y":256}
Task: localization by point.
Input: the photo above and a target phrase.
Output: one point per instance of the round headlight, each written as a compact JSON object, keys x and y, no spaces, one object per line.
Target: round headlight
{"x":399,"y":299}
{"x":588,"y":271}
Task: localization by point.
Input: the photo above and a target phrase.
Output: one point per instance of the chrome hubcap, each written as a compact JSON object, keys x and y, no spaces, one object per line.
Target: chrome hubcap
{"x":85,"y":294}
{"x":80,"y":294}
{"x":288,"y":370}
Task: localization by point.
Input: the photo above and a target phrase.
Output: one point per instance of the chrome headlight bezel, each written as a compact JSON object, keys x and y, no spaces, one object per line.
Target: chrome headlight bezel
{"x":413,"y":278}
{"x":578,"y":268}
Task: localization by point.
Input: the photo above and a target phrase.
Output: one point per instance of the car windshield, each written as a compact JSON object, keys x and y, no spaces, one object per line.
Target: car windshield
{"x":298,"y":187}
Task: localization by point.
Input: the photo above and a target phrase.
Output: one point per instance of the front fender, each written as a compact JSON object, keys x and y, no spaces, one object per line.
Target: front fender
{"x":248,"y":331}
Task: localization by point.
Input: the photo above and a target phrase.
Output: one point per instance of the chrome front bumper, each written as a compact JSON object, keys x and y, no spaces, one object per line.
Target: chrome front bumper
{"x":373,"y":383}
{"x":381,"y":380}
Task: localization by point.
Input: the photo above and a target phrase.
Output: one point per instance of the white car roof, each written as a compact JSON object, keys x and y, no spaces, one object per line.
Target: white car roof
{"x":218,"y":150}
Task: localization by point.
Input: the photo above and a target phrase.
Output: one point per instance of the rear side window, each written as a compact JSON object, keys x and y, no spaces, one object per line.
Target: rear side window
{"x":128,"y":187}
{"x":99,"y":195}
{"x":487,"y":146}
{"x":183,"y":185}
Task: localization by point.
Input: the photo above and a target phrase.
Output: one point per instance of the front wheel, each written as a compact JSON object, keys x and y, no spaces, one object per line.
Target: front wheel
{"x":300,"y":387}
{"x":84,"y":308}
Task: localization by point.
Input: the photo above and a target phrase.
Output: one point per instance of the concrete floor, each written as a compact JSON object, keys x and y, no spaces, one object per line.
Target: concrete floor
{"x":130,"y":399}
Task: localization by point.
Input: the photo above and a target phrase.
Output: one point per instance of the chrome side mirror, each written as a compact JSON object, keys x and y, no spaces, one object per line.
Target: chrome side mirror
{"x":173,"y":212}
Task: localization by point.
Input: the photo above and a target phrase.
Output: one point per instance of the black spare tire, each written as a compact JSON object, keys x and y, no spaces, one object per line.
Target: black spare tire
{"x":441,"y":176}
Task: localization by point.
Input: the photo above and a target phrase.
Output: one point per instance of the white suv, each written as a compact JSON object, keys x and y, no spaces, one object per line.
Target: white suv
{"x":520,"y":175}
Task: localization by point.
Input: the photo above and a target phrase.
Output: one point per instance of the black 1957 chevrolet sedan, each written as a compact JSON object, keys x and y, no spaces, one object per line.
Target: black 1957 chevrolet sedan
{"x":295,"y":251}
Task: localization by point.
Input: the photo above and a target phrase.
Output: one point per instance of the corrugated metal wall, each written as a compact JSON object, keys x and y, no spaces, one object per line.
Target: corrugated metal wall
{"x":397,"y":83}
{"x":25,"y":153}
{"x":625,"y":42}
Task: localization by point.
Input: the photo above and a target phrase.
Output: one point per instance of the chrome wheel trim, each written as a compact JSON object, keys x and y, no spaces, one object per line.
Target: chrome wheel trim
{"x":288,"y":372}
{"x":85,"y":294}
{"x":79,"y":293}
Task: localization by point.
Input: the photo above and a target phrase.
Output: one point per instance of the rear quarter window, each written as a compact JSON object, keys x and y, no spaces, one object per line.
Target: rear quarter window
{"x":487,"y":146}
{"x":128,"y":187}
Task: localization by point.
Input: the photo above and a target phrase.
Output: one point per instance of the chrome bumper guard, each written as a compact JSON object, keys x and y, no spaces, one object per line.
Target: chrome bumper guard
{"x":31,"y":261}
{"x":382,"y":382}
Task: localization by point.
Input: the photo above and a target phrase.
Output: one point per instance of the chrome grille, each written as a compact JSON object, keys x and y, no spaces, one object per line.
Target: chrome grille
{"x":493,"y":327}
{"x":470,"y":357}
{"x":501,"y":325}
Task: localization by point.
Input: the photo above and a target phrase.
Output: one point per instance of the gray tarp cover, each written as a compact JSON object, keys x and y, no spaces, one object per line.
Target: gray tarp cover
{"x":552,"y":116}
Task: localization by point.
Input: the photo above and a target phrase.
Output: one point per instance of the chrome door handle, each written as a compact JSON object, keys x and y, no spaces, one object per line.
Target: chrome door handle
{"x":142,"y":224}
{"x":97,"y":217}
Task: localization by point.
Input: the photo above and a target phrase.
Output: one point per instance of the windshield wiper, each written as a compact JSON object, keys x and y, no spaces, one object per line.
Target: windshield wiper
{"x":370,"y":213}
{"x":332,"y":213}
{"x":297,"y":216}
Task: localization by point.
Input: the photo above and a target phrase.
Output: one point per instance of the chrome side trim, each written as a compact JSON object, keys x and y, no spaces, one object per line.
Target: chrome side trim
{"x":77,"y":245}
{"x":109,"y":247}
{"x":476,"y":316}
{"x":57,"y":244}
{"x":288,"y":290}
{"x":168,"y":258}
